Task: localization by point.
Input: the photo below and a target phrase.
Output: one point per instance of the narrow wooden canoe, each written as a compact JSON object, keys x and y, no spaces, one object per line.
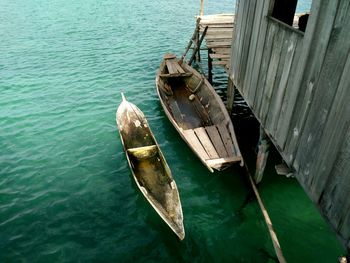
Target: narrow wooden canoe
{"x":148,"y":166}
{"x":197,"y":113}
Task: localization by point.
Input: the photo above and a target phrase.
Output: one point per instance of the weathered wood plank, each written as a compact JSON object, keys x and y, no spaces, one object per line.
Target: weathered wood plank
{"x":260,"y":50}
{"x":174,"y":75}
{"x":175,"y":110}
{"x":315,"y":44}
{"x":222,"y":37}
{"x":280,"y":133}
{"x":247,"y":89}
{"x":170,"y":65}
{"x":281,"y":91}
{"x":221,"y":62}
{"x":207,"y":144}
{"x":214,"y":32}
{"x":287,"y":54}
{"x":246,"y":41}
{"x":272,"y":74}
{"x":216,"y":139}
{"x":237,"y":45}
{"x":219,"y":56}
{"x":332,"y":137}
{"x":327,"y":83}
{"x":178,"y":67}
{"x":231,"y":159}
{"x":217,"y":43}
{"x":272,"y":32}
{"x":226,"y":138}
{"x":195,"y":143}
{"x":220,"y":30}
{"x":222,"y":50}
{"x":334,"y":202}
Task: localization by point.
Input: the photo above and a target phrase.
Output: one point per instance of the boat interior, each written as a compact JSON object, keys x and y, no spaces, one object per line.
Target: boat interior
{"x":196,"y":112}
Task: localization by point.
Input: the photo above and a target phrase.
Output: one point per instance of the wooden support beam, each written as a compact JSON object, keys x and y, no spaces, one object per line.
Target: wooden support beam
{"x":230,"y":95}
{"x":210,"y":67}
{"x":263,"y":153}
{"x":195,"y":33}
{"x":197,"y":47}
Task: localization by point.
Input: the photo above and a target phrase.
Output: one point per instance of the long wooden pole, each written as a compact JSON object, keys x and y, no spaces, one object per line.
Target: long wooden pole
{"x":272,"y":232}
{"x":201,"y":11}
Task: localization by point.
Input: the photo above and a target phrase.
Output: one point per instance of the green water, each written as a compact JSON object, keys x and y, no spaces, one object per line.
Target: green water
{"x":66,"y":194}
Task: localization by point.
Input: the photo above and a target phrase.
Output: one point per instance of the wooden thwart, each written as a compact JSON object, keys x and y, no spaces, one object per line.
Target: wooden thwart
{"x":231,"y":159}
{"x":188,"y":74}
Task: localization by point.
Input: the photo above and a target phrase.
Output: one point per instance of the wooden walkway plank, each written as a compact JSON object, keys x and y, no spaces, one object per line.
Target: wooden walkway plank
{"x":221,"y":62}
{"x":219,"y":56}
{"x":206,"y":142}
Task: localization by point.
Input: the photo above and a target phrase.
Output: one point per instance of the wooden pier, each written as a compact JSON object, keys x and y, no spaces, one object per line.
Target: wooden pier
{"x":218,"y":37}
{"x":217,"y":32}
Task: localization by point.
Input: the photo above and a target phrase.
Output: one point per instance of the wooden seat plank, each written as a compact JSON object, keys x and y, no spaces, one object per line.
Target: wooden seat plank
{"x":171,"y":68}
{"x":175,"y":75}
{"x":217,"y":141}
{"x":231,"y":159}
{"x":195,"y":143}
{"x":179,"y":68}
{"x":206,"y":142}
{"x":226,"y":138}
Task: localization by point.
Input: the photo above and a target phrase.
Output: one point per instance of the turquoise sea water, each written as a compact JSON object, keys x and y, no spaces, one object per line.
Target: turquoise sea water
{"x":66,"y":194}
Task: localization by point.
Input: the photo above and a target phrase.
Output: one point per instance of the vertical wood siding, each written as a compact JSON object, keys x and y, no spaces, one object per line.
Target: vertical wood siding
{"x":298,"y":87}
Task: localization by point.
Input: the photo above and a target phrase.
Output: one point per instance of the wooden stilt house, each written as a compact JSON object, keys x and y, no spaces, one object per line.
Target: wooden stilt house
{"x":296,"y":79}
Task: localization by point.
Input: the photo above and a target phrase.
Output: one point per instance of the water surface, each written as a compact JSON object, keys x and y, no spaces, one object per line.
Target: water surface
{"x":66,"y":194}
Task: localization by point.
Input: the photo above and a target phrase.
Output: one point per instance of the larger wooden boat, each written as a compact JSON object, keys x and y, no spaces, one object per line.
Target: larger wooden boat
{"x":148,"y":166}
{"x":197,"y":113}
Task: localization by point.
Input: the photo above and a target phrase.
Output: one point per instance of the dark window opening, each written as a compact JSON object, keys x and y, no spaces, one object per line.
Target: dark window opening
{"x":284,"y":10}
{"x":292,"y":12}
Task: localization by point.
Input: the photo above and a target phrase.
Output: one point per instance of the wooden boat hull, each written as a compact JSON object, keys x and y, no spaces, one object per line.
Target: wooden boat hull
{"x":197,"y":113}
{"x":149,"y":167}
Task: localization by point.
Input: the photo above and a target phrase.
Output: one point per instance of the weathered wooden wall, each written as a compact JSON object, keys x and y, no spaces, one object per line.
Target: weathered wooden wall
{"x":298,"y":87}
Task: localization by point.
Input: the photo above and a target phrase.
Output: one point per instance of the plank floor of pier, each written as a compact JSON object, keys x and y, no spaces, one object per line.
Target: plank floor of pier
{"x":218,"y":37}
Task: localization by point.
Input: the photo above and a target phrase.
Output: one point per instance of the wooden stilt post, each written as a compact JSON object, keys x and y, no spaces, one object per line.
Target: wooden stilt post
{"x":210,"y":66}
{"x":263,"y":153}
{"x":199,"y":42}
{"x":201,"y":11}
{"x":230,"y":94}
